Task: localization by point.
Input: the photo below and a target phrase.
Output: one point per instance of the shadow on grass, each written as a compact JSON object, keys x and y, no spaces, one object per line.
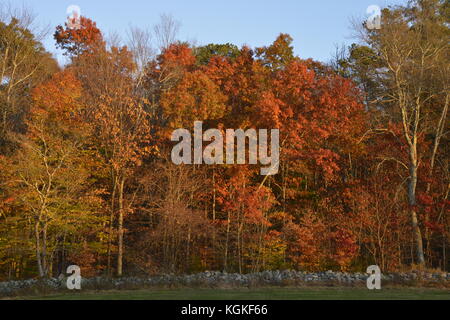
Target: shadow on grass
{"x":257,"y":294}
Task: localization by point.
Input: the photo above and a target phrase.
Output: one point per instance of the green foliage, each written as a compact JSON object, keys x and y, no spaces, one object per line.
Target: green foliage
{"x":205,"y":53}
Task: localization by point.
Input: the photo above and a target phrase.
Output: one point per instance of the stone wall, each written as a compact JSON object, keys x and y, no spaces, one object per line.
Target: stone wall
{"x":224,"y":280}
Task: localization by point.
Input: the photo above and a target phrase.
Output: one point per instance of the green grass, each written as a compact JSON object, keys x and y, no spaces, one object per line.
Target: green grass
{"x":259,"y":294}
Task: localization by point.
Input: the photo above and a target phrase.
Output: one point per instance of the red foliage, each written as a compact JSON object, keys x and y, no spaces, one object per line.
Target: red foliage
{"x":76,"y":41}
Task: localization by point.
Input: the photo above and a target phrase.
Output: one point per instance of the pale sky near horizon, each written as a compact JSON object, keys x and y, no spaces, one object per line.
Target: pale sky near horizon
{"x":316,"y":26}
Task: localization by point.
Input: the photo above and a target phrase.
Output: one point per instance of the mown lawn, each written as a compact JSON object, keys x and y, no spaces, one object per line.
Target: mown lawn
{"x":259,"y":294}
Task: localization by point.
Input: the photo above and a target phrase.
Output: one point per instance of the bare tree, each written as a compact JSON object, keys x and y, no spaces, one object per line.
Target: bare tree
{"x":140,"y":44}
{"x":166,"y":31}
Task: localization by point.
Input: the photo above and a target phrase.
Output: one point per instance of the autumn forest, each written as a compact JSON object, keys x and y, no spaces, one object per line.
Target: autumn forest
{"x":86,"y":176}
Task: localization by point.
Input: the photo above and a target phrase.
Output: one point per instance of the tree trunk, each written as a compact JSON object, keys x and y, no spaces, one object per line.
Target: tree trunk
{"x":44,"y":250}
{"x":412,"y":184}
{"x":38,"y":249}
{"x":120,"y":229}
{"x":111,"y":227}
{"x":225,"y":262}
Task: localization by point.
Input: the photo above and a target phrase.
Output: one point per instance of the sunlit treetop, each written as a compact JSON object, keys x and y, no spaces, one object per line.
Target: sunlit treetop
{"x":75,"y":41}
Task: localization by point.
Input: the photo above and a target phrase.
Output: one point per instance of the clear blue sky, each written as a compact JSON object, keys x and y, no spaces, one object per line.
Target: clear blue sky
{"x":316,"y":26}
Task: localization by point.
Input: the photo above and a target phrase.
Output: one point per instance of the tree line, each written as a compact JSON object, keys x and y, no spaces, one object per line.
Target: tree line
{"x":86,"y":176}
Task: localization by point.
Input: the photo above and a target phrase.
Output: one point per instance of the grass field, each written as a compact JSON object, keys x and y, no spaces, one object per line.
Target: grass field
{"x":260,"y":294}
